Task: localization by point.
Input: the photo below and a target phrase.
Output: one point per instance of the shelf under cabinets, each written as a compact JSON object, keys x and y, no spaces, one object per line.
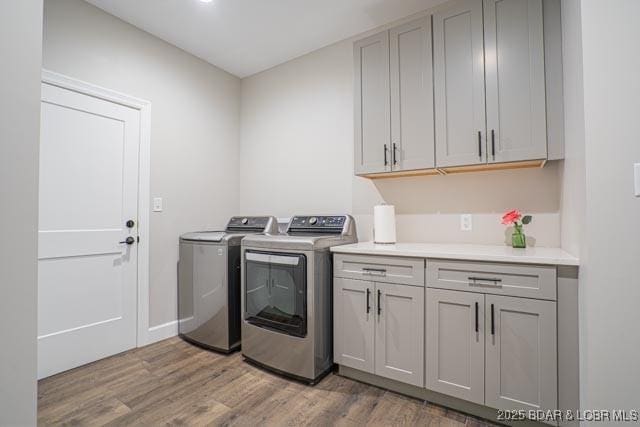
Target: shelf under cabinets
{"x":527,"y":164}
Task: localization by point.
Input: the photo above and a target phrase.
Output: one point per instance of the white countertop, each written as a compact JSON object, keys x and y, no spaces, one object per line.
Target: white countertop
{"x":467,"y":252}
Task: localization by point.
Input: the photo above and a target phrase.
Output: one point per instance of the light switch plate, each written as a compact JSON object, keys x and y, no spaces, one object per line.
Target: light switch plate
{"x":157,"y":204}
{"x":636,"y":174}
{"x":466,"y":224}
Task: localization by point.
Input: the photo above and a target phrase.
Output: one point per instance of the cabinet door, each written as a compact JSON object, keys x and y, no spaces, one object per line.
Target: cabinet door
{"x":459,"y":84}
{"x":353,"y":323}
{"x":371,"y":103}
{"x":455,"y":344}
{"x":515,"y":86}
{"x":399,"y":350}
{"x":521,"y":353}
{"x":412,"y":134}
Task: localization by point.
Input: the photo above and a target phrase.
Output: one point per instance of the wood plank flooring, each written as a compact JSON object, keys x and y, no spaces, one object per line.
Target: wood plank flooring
{"x":175,"y":383}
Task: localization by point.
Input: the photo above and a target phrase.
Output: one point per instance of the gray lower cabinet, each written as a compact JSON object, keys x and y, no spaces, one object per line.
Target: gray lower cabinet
{"x":483,"y":332}
{"x":379,"y":328}
{"x":455,"y":344}
{"x":403,"y":271}
{"x":399,"y":346}
{"x":529,"y":281}
{"x":521,"y":353}
{"x":354,"y":321}
{"x":495,"y":350}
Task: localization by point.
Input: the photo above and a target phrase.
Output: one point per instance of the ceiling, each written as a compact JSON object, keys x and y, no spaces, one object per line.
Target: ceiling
{"x":244,"y":37}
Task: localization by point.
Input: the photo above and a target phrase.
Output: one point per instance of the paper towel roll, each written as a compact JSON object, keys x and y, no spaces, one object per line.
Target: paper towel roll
{"x":384,"y":224}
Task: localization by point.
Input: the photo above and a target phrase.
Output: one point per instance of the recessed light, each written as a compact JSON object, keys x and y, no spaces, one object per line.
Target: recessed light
{"x":206,"y":1}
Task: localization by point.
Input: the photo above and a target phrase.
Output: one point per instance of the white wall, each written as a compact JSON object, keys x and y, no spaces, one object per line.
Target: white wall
{"x":297,"y":157}
{"x":294,"y":157}
{"x":20,"y":57}
{"x":610,"y":274}
{"x":194,"y":125}
{"x":573,"y":194}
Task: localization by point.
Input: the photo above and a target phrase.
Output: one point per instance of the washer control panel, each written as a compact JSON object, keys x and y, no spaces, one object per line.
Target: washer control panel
{"x":319,"y":224}
{"x":248,"y":223}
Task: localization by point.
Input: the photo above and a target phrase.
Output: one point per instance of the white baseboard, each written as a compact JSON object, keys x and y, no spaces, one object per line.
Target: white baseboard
{"x":162,"y":332}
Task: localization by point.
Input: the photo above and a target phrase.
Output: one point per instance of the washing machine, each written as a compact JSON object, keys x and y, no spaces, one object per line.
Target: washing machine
{"x":287,"y":296}
{"x":209,"y":283}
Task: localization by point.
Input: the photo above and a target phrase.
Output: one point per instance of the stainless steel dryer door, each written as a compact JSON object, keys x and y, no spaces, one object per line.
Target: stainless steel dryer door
{"x":276,"y":291}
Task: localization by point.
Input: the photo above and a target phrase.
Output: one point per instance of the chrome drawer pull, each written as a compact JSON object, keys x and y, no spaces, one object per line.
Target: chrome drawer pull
{"x":474,"y":281}
{"x":374,"y":271}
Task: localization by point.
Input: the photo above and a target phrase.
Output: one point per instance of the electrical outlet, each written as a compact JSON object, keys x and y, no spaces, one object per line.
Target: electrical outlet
{"x":157,"y":204}
{"x":466,"y":224}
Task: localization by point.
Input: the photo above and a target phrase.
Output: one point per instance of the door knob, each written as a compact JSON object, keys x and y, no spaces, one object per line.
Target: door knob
{"x":129,"y":241}
{"x":130,"y":223}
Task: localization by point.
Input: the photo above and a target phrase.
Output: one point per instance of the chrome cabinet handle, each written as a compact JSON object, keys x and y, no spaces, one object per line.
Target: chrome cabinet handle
{"x":374,"y":271}
{"x":473,"y":281}
{"x":493,"y":143}
{"x":368,"y":304}
{"x":393,"y":155}
{"x":476,"y":316}
{"x":493,"y":325}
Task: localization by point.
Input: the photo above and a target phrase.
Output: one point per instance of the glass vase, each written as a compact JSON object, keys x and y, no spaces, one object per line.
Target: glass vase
{"x":518,"y":239}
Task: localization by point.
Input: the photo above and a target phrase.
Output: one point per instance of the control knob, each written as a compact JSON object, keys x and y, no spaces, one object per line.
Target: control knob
{"x":313,"y":220}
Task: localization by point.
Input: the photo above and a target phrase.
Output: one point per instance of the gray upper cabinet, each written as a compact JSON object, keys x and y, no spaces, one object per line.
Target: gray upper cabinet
{"x":521,"y":353}
{"x":353,"y":333}
{"x":372,"y":106}
{"x":459,"y":84}
{"x":399,"y":349}
{"x":515,"y":80}
{"x":476,"y":83}
{"x":455,"y":344}
{"x":412,"y":127}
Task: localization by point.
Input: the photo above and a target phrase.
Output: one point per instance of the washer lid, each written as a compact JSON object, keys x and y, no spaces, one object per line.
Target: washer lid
{"x":204,"y":236}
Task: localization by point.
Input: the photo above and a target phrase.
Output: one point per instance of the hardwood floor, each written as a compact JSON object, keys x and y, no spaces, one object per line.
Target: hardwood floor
{"x":175,"y":383}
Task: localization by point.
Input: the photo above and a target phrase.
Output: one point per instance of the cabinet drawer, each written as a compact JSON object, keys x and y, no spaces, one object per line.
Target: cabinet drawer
{"x":406,"y":271}
{"x":529,"y":281}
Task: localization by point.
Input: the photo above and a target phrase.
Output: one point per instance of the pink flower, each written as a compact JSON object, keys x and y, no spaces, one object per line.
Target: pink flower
{"x":511,"y":217}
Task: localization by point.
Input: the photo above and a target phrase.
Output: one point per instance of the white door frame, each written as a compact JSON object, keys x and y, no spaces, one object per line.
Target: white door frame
{"x":69,"y":83}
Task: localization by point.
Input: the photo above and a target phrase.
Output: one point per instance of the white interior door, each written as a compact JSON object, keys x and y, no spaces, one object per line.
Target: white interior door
{"x":87,"y":282}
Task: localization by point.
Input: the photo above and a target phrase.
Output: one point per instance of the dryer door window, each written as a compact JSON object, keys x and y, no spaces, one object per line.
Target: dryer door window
{"x":276,"y":291}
